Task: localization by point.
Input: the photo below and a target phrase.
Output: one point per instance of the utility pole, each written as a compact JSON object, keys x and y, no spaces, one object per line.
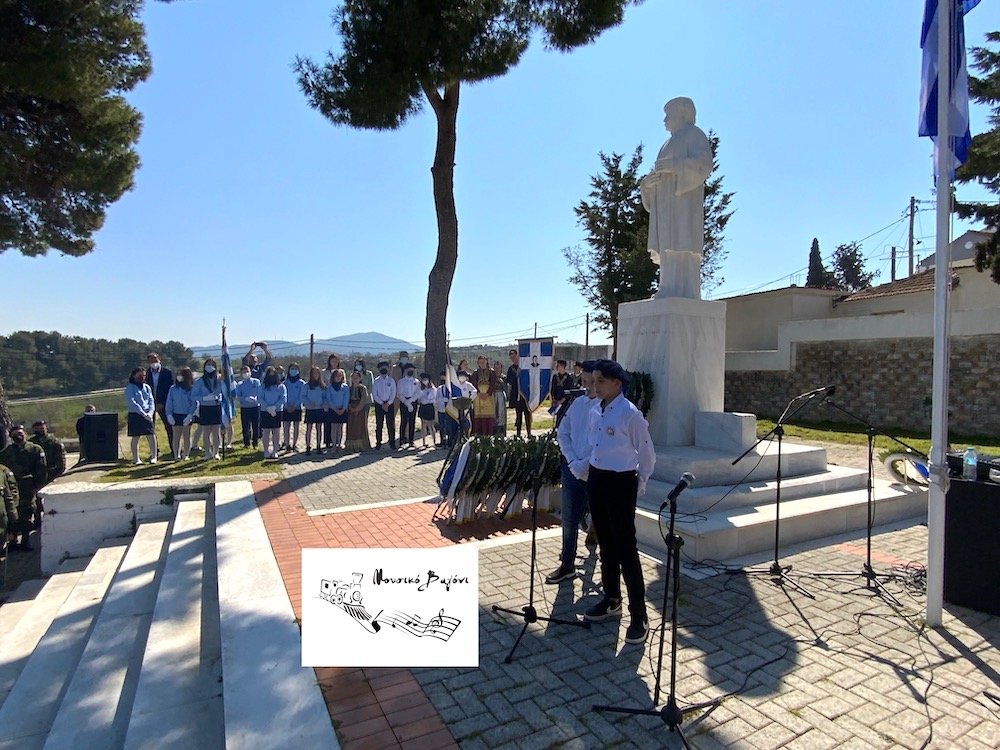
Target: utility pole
{"x":913,"y":211}
{"x":586,"y":337}
{"x":536,"y":330}
{"x":312,"y":342}
{"x":892,"y":273}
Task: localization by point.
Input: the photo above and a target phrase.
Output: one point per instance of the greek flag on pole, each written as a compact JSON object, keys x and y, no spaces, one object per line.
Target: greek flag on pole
{"x":959,"y":136}
{"x":228,"y":383}
{"x":536,"y":368}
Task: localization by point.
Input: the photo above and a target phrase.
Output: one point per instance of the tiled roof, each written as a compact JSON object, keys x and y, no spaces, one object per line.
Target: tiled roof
{"x":918,"y":282}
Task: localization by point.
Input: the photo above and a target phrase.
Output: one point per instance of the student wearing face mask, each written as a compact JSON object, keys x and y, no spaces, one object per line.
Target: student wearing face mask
{"x":367,"y":380}
{"x":447,"y":425}
{"x":272,"y":405}
{"x":207,"y":393}
{"x":292,"y":415}
{"x":248,"y":393}
{"x":408,"y":393}
{"x":332,"y":365}
{"x":427,"y":411}
{"x":180,"y":410}
{"x":316,"y":406}
{"x":141,"y":412}
{"x":160,"y":380}
{"x":338,"y":396}
{"x":384,"y":396}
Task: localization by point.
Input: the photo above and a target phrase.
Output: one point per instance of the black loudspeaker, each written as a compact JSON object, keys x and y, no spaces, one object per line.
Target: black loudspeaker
{"x":100,"y":432}
{"x":972,"y":545}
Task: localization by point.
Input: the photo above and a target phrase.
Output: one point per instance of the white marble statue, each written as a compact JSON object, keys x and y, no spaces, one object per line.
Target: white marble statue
{"x":674,"y":195}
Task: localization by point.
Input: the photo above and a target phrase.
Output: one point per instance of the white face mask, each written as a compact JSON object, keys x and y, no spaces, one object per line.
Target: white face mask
{"x":180,"y":378}
{"x":155,"y":367}
{"x":209,"y":369}
{"x":462,"y":378}
{"x":245,"y":374}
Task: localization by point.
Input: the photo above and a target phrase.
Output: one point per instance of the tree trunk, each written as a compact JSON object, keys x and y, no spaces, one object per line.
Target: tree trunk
{"x":4,"y":417}
{"x":443,"y":272}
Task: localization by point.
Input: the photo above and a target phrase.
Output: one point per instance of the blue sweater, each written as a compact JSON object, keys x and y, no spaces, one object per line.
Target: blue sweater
{"x":338,"y":399}
{"x":203,"y":394}
{"x":180,"y":400}
{"x":139,"y":398}
{"x":314,"y":398}
{"x":249,"y":392}
{"x":296,"y":393}
{"x":273,"y":396}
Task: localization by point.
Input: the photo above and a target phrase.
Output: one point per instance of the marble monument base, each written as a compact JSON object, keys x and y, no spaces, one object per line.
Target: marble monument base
{"x":681,"y":343}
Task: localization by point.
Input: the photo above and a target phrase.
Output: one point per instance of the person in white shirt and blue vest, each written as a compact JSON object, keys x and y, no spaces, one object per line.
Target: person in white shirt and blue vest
{"x":384,"y":396}
{"x":621,"y":461}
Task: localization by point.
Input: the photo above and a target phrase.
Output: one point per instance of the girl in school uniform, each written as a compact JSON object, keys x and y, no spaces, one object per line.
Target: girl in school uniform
{"x":207,"y":393}
{"x":427,"y":411}
{"x":332,"y":365}
{"x":316,"y":406}
{"x":272,"y":406}
{"x":292,"y":415}
{"x":338,"y":396}
{"x":141,"y":410}
{"x":180,"y":410}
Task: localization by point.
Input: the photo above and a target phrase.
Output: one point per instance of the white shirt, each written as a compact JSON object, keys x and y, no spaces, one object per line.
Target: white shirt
{"x":573,"y":436}
{"x":429,"y":395}
{"x":619,"y":439}
{"x":408,"y":390}
{"x":442,"y":395}
{"x":384,"y":390}
{"x":468,"y":389}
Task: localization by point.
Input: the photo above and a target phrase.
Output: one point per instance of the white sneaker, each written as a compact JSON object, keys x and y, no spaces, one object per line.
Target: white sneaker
{"x":216,"y":457}
{"x":153,"y":460}
{"x":137,"y":462}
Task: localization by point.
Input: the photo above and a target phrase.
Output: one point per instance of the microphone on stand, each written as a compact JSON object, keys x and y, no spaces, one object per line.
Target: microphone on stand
{"x":687,"y":479}
{"x":825,"y":392}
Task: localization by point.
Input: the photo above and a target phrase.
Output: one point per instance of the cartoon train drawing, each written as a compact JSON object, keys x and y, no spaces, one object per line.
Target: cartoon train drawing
{"x":341,"y":592}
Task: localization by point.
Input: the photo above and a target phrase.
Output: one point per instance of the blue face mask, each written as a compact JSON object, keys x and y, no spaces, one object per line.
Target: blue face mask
{"x":293,"y":372}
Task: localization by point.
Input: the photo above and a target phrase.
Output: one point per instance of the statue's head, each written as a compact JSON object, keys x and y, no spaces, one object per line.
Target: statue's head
{"x":678,"y":112}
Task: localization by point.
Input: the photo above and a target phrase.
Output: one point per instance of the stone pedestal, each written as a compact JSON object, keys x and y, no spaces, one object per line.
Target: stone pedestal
{"x":681,"y":343}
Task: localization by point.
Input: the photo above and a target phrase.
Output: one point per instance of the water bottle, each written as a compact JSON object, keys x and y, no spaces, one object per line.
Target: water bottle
{"x":970,"y":465}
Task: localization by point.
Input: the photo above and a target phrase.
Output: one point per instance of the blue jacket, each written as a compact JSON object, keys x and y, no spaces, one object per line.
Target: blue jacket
{"x":296,"y":393}
{"x":338,"y":399}
{"x":273,"y":396}
{"x":249,"y":392}
{"x":139,"y":399}
{"x":314,"y":398}
{"x":180,"y":400}
{"x":202,"y":394}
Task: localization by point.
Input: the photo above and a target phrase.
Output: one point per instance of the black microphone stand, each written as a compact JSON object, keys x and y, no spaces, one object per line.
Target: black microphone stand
{"x":671,"y":713}
{"x":776,"y":570}
{"x":867,"y":571}
{"x":528,"y":612}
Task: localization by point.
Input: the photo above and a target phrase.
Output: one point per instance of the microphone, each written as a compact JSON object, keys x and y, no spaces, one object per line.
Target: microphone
{"x":687,"y":479}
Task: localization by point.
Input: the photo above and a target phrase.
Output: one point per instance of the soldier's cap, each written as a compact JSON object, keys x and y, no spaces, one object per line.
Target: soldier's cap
{"x":38,"y":423}
{"x":15,"y":427}
{"x":611,"y":369}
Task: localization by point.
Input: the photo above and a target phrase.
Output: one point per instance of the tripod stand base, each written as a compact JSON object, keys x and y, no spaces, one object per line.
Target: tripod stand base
{"x":777,"y":573}
{"x":871,"y":580}
{"x":670,"y":713}
{"x":530,"y":615}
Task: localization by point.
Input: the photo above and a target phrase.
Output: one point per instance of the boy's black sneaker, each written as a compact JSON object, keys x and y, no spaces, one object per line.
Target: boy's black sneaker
{"x":637,"y":631}
{"x":560,"y":574}
{"x":604,"y":610}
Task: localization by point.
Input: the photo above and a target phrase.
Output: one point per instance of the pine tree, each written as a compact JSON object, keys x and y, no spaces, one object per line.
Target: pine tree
{"x":615,"y":266}
{"x":983,"y":164}
{"x":396,"y":55}
{"x":817,"y":277}
{"x":66,"y":132}
{"x":849,"y":269}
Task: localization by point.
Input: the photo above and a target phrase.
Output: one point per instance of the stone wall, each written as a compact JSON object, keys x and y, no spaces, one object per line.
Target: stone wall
{"x":887,"y":381}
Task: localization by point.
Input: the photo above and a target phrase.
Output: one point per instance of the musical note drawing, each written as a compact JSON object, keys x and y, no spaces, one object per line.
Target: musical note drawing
{"x":441,"y":626}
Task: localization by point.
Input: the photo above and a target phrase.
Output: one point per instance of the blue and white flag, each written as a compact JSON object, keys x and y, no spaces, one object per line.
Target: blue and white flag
{"x":959,"y":136}
{"x":536,"y":368}
{"x":228,"y":383}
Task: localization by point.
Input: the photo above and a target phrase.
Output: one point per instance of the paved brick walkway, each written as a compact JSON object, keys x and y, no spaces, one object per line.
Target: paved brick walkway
{"x":843,"y":670}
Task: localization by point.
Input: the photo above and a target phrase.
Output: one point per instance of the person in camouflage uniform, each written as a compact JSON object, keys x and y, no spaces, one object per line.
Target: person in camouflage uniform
{"x":8,"y":507}
{"x":27,"y":461}
{"x":55,"y":453}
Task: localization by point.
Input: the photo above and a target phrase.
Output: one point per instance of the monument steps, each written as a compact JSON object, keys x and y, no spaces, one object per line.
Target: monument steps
{"x":713,"y":467}
{"x":725,"y":534}
{"x":128,"y":648}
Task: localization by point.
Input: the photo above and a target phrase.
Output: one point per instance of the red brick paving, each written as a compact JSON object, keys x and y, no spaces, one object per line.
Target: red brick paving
{"x":375,"y":707}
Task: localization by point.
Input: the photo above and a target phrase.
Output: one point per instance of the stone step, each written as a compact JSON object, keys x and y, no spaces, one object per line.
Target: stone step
{"x":178,"y":698}
{"x":715,"y":467}
{"x":95,"y":709}
{"x":725,"y":534}
{"x":270,"y":701}
{"x":698,"y":499}
{"x":19,"y":602}
{"x":21,"y":638}
{"x":31,"y":706}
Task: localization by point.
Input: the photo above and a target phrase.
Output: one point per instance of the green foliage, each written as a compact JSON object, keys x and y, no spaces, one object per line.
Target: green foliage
{"x":40,"y":363}
{"x":849,"y":268}
{"x":615,"y":266}
{"x":66,"y":131}
{"x":983,"y":164}
{"x":818,"y":277}
{"x":62,"y":413}
{"x":717,"y":215}
{"x":640,"y":390}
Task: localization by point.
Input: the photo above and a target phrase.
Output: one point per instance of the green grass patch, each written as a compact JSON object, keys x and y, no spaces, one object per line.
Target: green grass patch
{"x":238,"y":460}
{"x":62,"y":413}
{"x":855,"y":434}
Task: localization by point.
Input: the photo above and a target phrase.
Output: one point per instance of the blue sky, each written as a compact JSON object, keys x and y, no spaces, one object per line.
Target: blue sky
{"x":250,"y":206}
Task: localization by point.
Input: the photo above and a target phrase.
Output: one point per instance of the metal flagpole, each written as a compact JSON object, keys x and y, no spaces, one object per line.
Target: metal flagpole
{"x":942,"y":323}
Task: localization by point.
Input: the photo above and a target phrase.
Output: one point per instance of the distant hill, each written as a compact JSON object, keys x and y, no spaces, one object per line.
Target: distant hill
{"x":371,"y":342}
